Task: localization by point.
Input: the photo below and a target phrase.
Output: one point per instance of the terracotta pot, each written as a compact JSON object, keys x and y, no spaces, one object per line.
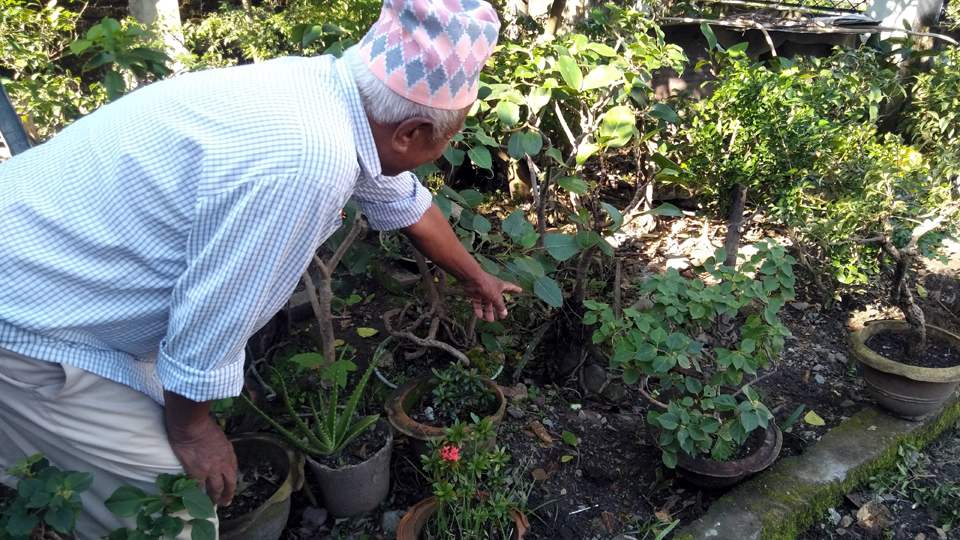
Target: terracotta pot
{"x":416,"y":517}
{"x":267,"y":521}
{"x":408,"y":394}
{"x":910,"y":392}
{"x":711,"y":474}
{"x":356,"y":489}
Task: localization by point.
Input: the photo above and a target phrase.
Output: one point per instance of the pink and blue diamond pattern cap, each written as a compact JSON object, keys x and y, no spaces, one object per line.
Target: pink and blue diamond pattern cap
{"x":431,"y":51}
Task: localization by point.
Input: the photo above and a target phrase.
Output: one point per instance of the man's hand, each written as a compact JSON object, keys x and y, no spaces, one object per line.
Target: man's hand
{"x":201,"y":447}
{"x":434,"y":238}
{"x":487,"y":294}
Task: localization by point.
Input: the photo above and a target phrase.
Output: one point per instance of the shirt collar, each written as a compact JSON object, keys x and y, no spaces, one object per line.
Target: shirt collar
{"x":367,"y":155}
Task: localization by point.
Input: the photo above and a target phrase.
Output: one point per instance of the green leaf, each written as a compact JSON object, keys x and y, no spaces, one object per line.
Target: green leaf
{"x":561,"y":246}
{"x":78,"y":46}
{"x":614,"y":214}
{"x":61,"y":518}
{"x":708,"y":33}
{"x":587,"y":239}
{"x":556,"y":155}
{"x":669,"y":459}
{"x":749,"y":420}
{"x":813,"y":419}
{"x":481,"y":224}
{"x":668,"y":421}
{"x":202,"y":530}
{"x":584,"y":151}
{"x":366,"y":332}
{"x":631,"y":376}
{"x":508,"y":113}
{"x":515,"y":146}
{"x":538,"y":98}
{"x":532,"y":142}
{"x":480,"y":157}
{"x":570,"y":72}
{"x":663,"y":112}
{"x":569,"y":438}
{"x":566,"y":458}
{"x":454,"y":156}
{"x":471,"y":197}
{"x":125,"y":501}
{"x":602,"y":76}
{"x":529,"y":266}
{"x":21,"y":523}
{"x":197,"y":503}
{"x":619,"y":124}
{"x":548,"y":291}
{"x":573,"y":185}
{"x":513,"y":224}
{"x":665,"y":209}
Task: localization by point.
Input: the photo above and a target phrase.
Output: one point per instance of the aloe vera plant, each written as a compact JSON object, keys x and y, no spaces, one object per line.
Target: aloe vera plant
{"x":332,"y":430}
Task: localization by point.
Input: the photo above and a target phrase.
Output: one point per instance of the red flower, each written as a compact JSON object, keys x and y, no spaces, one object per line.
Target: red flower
{"x":449,"y":453}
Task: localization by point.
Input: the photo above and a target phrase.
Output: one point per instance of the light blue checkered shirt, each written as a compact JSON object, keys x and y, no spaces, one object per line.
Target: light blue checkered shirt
{"x":150,"y":239}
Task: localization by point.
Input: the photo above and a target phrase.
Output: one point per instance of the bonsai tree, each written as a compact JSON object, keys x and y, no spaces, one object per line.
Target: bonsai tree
{"x":689,"y":340}
{"x":895,"y":208}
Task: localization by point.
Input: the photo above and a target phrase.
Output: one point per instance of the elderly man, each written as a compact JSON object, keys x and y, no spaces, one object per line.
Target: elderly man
{"x":143,"y":245}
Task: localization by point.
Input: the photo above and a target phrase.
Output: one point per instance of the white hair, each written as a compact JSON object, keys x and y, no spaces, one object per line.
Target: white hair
{"x":388,"y":107}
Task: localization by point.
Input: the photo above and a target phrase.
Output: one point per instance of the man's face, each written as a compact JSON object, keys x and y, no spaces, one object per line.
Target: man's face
{"x":418,"y":148}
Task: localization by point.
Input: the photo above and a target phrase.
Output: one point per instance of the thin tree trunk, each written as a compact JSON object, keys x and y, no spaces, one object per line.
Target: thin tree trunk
{"x":734,"y":229}
{"x":555,"y":17}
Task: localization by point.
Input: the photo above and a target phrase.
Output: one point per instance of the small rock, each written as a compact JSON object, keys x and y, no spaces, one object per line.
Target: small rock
{"x":681,"y":263}
{"x":841,"y":532}
{"x":386,"y":360}
{"x":547,"y":422}
{"x":834,"y":515}
{"x":846,"y":403}
{"x":625,"y":537}
{"x":799,"y":306}
{"x":819,"y":367}
{"x":819,"y":378}
{"x":846,"y":522}
{"x":516,"y":413}
{"x":522,"y":394}
{"x":593,"y":378}
{"x":842,"y":359}
{"x":314,"y":516}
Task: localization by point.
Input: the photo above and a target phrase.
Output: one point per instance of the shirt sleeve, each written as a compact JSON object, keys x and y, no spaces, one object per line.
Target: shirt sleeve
{"x":245,"y":253}
{"x":393,"y":202}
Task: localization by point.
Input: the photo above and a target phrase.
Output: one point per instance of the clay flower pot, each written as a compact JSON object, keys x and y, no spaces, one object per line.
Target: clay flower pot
{"x":711,"y":474}
{"x":267,"y":521}
{"x":407,"y":395}
{"x":910,"y":392}
{"x":356,"y":489}
{"x":416,"y":517}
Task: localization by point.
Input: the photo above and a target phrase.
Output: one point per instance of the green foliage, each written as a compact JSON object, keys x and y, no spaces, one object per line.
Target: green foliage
{"x":703,"y":416}
{"x":269,"y":31}
{"x":475,"y":489}
{"x":47,"y":499}
{"x":155,"y":514}
{"x":332,"y":428}
{"x":910,"y":480}
{"x":122,"y":48}
{"x":782,"y":128}
{"x":46,"y":95}
{"x":459,"y":392}
{"x":933,"y":116}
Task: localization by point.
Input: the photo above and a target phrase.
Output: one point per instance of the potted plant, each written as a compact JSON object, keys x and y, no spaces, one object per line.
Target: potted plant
{"x":47,"y":501}
{"x":904,"y":211}
{"x":270,"y":470}
{"x":444,"y":396}
{"x":696,"y":343}
{"x":472,"y":498}
{"x":348,"y":490}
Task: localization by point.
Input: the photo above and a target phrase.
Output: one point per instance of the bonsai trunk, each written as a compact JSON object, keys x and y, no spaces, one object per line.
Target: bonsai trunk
{"x":903,"y":297}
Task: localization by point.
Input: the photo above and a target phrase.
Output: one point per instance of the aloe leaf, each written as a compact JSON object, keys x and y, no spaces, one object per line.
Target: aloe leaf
{"x":355,"y":398}
{"x":357,"y":429}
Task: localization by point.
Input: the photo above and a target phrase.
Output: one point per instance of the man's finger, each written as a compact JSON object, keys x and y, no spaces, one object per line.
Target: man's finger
{"x":215,"y":489}
{"x":229,"y":488}
{"x":512,"y":287}
{"x":488,"y":312}
{"x":478,"y":308}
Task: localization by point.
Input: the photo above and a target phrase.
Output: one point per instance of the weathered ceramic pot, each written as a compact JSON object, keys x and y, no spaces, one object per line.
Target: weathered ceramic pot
{"x":910,"y":392}
{"x":407,"y":395}
{"x":416,"y":517}
{"x":356,"y":489}
{"x":267,"y":521}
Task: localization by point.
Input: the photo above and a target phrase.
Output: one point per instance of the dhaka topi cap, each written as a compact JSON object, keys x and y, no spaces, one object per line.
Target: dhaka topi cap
{"x":431,"y":51}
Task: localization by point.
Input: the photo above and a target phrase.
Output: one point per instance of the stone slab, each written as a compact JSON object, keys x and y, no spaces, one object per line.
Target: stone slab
{"x":785,"y":500}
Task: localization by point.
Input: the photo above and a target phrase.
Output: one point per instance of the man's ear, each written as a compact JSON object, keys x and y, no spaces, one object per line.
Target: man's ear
{"x":412,"y":133}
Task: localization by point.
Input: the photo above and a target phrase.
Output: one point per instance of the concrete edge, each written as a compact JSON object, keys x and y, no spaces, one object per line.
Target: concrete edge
{"x":787,"y":499}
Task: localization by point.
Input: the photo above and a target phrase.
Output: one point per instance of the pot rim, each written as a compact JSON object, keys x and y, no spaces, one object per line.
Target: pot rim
{"x":291,"y":483}
{"x":385,"y":426}
{"x":428,"y":505}
{"x":401,"y":421}
{"x":859,"y":349}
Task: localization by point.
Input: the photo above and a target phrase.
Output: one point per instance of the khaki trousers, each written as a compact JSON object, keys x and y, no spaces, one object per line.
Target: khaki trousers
{"x":83,"y":422}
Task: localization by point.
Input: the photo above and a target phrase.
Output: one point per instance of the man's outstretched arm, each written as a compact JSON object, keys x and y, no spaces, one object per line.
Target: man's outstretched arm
{"x":433,"y":237}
